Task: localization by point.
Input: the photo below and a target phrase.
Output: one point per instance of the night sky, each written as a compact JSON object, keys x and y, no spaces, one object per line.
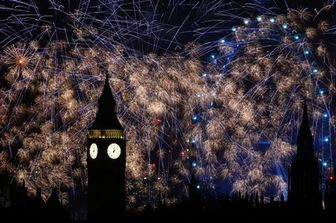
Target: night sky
{"x":214,"y":88}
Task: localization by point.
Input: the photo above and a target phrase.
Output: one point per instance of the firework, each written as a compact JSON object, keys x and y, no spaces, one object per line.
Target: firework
{"x":263,"y":71}
{"x":53,"y":59}
{"x":234,"y":119}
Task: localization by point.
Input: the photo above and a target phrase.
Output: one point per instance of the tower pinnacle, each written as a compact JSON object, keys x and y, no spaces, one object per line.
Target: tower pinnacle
{"x":106,"y":117}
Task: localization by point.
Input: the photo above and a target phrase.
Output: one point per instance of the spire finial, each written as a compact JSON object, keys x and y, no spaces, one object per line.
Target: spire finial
{"x":106,"y":117}
{"x":305,"y":119}
{"x":106,"y":79}
{"x":305,"y":139}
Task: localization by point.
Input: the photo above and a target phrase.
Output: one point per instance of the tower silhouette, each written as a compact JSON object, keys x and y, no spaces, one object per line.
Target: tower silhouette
{"x":304,"y":176}
{"x":106,"y":161}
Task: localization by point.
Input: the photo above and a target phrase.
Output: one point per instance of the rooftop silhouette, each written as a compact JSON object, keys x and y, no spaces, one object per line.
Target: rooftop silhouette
{"x":304,"y":188}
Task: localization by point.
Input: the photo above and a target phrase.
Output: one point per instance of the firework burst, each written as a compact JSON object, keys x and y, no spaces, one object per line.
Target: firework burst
{"x":263,"y":71}
{"x":233,"y":120}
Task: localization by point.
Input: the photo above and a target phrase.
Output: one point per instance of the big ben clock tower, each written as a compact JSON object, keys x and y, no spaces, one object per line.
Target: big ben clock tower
{"x":106,"y":161}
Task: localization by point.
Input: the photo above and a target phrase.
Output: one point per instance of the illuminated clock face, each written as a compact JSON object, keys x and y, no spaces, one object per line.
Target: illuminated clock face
{"x":113,"y":151}
{"x":93,"y":151}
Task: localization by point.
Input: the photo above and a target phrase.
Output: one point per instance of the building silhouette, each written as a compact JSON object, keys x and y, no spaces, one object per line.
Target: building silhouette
{"x":304,"y":175}
{"x":17,"y":206}
{"x":106,"y":158}
{"x":106,"y":162}
{"x":5,"y":191}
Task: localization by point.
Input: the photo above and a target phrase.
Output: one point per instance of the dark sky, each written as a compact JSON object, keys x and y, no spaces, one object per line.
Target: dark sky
{"x":162,"y":25}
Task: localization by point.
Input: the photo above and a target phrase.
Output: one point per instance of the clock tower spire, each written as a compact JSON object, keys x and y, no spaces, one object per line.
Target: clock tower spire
{"x":106,"y":161}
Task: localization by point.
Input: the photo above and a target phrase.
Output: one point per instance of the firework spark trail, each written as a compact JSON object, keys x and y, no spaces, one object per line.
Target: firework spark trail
{"x":48,"y":110}
{"x":278,"y":60}
{"x":48,"y":84}
{"x":178,"y":116}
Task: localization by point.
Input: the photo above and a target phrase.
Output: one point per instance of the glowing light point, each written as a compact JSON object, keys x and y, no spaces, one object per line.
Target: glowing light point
{"x":322,"y":92}
{"x":246,"y":21}
{"x":222,"y":41}
{"x":193,"y":141}
{"x":213,"y":56}
{"x":21,"y":61}
{"x":234,"y":29}
{"x":285,"y":26}
{"x":325,"y":164}
{"x":205,"y":74}
{"x":198,"y":187}
{"x":272,"y":20}
{"x":158,"y":121}
{"x":331,"y":178}
{"x":326,"y":139}
{"x":259,"y":18}
{"x":306,"y":52}
{"x":296,"y":37}
{"x":315,"y":70}
{"x":194,"y":164}
{"x":194,"y":118}
{"x":325,"y":115}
